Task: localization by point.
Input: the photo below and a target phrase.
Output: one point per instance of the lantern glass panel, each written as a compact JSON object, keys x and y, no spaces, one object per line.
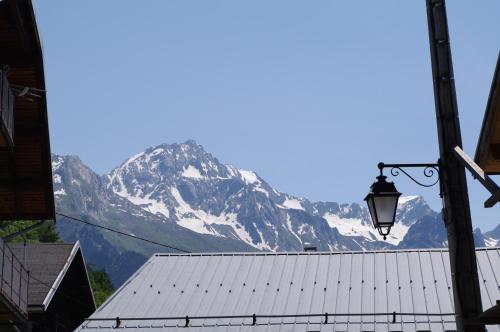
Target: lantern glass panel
{"x":385,"y":209}
{"x":373,"y":211}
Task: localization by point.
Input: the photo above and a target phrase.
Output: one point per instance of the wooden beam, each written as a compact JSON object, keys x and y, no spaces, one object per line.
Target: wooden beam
{"x":456,"y":212}
{"x":479,"y":175}
{"x":495,"y":198}
{"x":488,"y":317}
{"x":475,"y":170}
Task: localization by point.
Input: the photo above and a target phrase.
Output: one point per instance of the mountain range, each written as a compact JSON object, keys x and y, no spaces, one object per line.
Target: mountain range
{"x":181,"y":195}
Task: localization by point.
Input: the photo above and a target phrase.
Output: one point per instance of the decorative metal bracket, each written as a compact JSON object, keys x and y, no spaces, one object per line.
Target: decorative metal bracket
{"x":430,"y":170}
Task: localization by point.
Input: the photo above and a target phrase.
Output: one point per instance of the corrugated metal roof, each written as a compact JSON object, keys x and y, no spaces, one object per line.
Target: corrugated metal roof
{"x":409,"y":281}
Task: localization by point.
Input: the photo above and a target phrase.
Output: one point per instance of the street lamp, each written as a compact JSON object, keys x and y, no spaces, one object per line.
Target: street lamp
{"x":382,"y":203}
{"x":383,"y":197}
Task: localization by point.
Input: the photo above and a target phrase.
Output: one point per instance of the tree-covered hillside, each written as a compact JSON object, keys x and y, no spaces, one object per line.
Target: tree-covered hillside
{"x":45,"y":233}
{"x":101,"y":284}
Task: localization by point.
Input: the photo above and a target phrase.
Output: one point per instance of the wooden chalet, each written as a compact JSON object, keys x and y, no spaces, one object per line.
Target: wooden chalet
{"x":25,"y":167}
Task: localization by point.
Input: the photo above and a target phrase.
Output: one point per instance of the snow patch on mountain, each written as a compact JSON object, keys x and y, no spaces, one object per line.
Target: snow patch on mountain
{"x":192,"y":172}
{"x":491,"y":242}
{"x":203,"y":222}
{"x":60,"y":192}
{"x":405,"y":199}
{"x":293,"y":203}
{"x":248,"y":176}
{"x":349,"y":226}
{"x":357,"y":227}
{"x":398,"y":232}
{"x":196,"y":220}
{"x":57,"y":163}
{"x":260,"y":189}
{"x":133,"y":158}
{"x":263,"y":244}
{"x":122,"y":191}
{"x":290,"y":228}
{"x":151,"y":205}
{"x":156,"y":152}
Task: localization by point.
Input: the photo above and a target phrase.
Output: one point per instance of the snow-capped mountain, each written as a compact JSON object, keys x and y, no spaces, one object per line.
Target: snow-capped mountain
{"x":181,"y":194}
{"x":185,"y":185}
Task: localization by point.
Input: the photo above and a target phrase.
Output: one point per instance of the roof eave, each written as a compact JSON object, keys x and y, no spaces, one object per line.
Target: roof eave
{"x":492,"y":112}
{"x":61,"y":275}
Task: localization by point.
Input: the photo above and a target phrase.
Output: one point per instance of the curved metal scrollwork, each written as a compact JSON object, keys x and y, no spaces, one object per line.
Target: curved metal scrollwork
{"x":429,"y":171}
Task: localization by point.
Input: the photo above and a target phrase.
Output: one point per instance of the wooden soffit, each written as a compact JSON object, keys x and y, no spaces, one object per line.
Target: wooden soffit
{"x":488,"y":147}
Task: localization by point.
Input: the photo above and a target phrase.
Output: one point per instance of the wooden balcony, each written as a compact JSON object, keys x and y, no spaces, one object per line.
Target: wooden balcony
{"x":14,"y":280}
{"x":6,"y":112}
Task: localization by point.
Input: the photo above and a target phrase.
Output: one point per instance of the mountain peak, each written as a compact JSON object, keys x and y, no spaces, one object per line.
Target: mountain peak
{"x":173,"y":155}
{"x":191,"y":142}
{"x":184,"y":184}
{"x":188,"y":144}
{"x":407,"y":199}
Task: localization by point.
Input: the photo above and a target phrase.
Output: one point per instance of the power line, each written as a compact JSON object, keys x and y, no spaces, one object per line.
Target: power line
{"x":121,"y":233}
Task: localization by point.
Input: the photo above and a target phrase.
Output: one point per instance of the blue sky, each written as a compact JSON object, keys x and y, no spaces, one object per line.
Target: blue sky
{"x":309,"y":94}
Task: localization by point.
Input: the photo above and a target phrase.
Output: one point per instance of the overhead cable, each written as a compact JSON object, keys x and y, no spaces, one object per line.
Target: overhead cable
{"x":121,"y":233}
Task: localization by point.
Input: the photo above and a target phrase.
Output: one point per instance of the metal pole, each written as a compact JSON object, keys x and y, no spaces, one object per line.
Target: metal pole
{"x":456,"y":210}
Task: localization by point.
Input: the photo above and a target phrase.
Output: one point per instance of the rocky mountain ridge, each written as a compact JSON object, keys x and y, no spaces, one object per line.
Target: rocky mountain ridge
{"x":182,"y":193}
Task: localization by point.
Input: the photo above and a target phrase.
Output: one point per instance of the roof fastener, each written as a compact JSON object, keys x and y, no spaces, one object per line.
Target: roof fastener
{"x":118,"y":322}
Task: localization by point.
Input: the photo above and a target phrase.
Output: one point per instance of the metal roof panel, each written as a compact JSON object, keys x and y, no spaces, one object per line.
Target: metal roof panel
{"x":413,"y":281}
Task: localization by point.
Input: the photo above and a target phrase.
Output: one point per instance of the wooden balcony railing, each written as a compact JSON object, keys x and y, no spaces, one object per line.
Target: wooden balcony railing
{"x":14,"y":279}
{"x":6,"y":112}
